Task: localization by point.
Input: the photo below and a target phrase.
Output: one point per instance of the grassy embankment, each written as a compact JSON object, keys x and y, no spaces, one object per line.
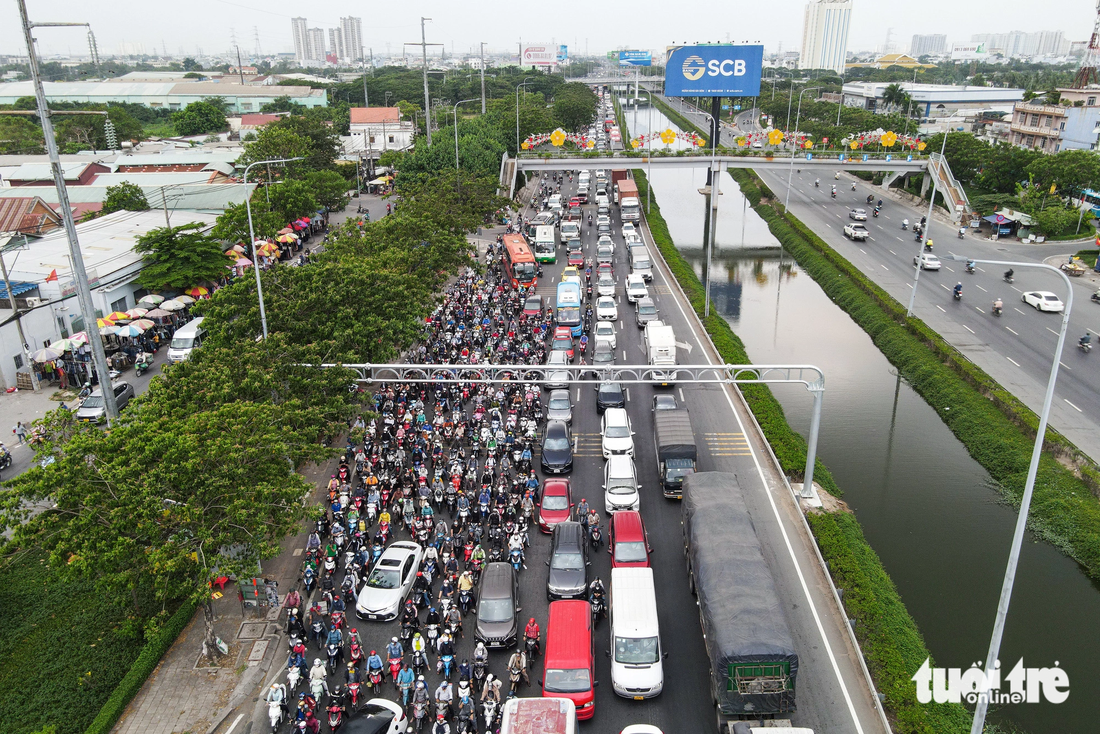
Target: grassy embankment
{"x":891,"y":642}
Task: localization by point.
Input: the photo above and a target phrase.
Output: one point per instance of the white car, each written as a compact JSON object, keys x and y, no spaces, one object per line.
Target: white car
{"x":389,"y":582}
{"x":927,"y":261}
{"x":629,"y":230}
{"x":620,"y":484}
{"x":606,"y":240}
{"x":381,"y":716}
{"x":1044,"y":301}
{"x":635,"y":288}
{"x":606,"y":310}
{"x":617,"y":436}
{"x":557,"y":379}
{"x":605,"y":332}
{"x":605,"y":286}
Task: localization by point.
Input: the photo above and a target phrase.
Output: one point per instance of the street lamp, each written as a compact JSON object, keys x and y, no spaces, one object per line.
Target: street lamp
{"x":473,"y":99}
{"x":517,"y":111}
{"x":388,"y":95}
{"x":927,"y":223}
{"x":790,"y":169}
{"x":252,"y":237}
{"x":714,"y":176}
{"x":774,"y":72}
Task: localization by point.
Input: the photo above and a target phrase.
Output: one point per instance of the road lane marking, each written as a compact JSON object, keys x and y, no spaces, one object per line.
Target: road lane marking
{"x":1073,"y":406}
{"x":941,"y":308}
{"x":863,"y":251}
{"x":578,"y":393}
{"x":1015,"y":289}
{"x":1067,"y":367}
{"x":1017,"y":310}
{"x":893,"y":253}
{"x":1010,"y":359}
{"x":883,"y":267}
{"x":944,"y":287}
{"x":983,"y":290}
{"x":1052,"y":331}
{"x":681,"y":390}
{"x":627,"y":391}
{"x":949,"y":268}
{"x":970,"y":330}
{"x":978,"y":310}
{"x":1011,"y":330}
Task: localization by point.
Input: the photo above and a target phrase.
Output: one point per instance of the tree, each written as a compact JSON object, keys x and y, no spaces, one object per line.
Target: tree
{"x":1006,"y":167}
{"x":179,"y":257}
{"x":574,"y":106}
{"x":21,"y":136}
{"x":1054,"y":218}
{"x":965,"y":154}
{"x":189,"y":64}
{"x":293,"y":199}
{"x":895,"y":96}
{"x":283,"y":104}
{"x":232,"y":224}
{"x":324,"y":142}
{"x":199,"y":118}
{"x":1069,"y":171}
{"x":125,"y":196}
{"x":276,"y":143}
{"x":330,"y":189}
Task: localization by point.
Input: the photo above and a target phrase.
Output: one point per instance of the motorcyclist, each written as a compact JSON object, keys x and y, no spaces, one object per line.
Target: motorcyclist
{"x":374,"y":662}
{"x":517,"y":664}
{"x":1009,"y":273}
{"x":405,"y":681}
{"x":958,"y":289}
{"x":394,"y":650}
{"x":481,"y":655}
{"x":441,"y":726}
{"x":419,"y":644}
{"x":318,"y":672}
{"x":1086,"y":339}
{"x":817,"y":182}
{"x":466,"y":581}
{"x":444,"y":694}
{"x":531,"y":632}
{"x":997,"y":304}
{"x":491,"y":690}
{"x":905,"y":224}
{"x":294,"y":624}
{"x":454,"y":618}
{"x":277,"y":694}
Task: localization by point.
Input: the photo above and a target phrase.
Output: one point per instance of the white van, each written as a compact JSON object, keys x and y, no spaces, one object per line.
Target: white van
{"x":187,"y":337}
{"x":636,"y":668}
{"x":620,"y":484}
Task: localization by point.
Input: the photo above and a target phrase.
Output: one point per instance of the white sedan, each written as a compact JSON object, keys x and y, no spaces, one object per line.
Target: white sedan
{"x":927,"y":261}
{"x":1044,"y":301}
{"x":380,"y":716}
{"x":389,"y":582}
{"x":606,"y":310}
{"x":635,"y":288}
{"x":605,"y":332}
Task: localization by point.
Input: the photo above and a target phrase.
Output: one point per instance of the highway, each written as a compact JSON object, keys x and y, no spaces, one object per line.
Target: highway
{"x":1016,"y":349}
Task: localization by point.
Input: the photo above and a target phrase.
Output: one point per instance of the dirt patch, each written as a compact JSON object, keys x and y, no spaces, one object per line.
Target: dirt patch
{"x":829,"y":503}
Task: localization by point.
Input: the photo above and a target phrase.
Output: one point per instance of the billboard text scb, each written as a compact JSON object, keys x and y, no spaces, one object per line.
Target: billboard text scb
{"x":714,"y":71}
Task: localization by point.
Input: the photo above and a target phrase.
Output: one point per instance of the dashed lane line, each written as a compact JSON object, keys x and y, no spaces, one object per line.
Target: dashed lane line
{"x":983,"y":290}
{"x":1010,"y":359}
{"x":970,"y":330}
{"x":1073,"y":406}
{"x":941,"y":308}
{"x":1011,"y":330}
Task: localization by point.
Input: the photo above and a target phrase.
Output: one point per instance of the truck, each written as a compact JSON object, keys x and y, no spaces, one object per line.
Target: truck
{"x":640,"y":263}
{"x":856,"y":231}
{"x":570,"y":230}
{"x":676,"y":453}
{"x":626,"y":194}
{"x":538,"y":716}
{"x":660,"y":349}
{"x":753,"y":662}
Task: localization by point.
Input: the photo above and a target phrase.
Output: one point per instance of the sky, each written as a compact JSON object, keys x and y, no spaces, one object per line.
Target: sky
{"x":210,"y":25}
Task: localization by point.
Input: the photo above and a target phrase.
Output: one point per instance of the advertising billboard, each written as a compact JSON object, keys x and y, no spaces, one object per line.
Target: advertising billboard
{"x":968,"y":52}
{"x":539,"y":54}
{"x":635,"y":58}
{"x":714,"y":71}
{"x":563,"y":54}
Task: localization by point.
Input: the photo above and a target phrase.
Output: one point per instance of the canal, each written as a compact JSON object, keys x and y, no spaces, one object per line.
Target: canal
{"x":927,"y":508}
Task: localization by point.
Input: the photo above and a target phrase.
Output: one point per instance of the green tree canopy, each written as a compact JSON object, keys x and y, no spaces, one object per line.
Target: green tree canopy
{"x":179,"y":257}
{"x":232,"y":224}
{"x":1069,"y":171}
{"x":124,"y":196}
{"x":18,"y":135}
{"x":330,"y":189}
{"x":292,"y":199}
{"x":199,"y":118}
{"x":276,"y":143}
{"x":574,"y":106}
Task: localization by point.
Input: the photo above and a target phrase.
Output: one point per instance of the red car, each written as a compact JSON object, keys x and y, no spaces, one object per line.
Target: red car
{"x":601,"y":269}
{"x":556,"y":505}
{"x":576,"y":257}
{"x":533,"y":305}
{"x":563,"y":340}
{"x":575,"y":202}
{"x":627,"y":540}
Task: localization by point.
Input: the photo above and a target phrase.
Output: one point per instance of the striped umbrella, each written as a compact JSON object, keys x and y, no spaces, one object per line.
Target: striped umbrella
{"x":118,"y":316}
{"x":48,"y":354}
{"x":136,"y":313}
{"x":102,"y":323}
{"x":143,"y":324}
{"x":198,"y":291}
{"x":108,"y":331}
{"x":128,"y":330}
{"x":152,"y":298}
{"x":80,"y":337}
{"x":184,"y":299}
{"x":157,"y":313}
{"x":173,"y":305}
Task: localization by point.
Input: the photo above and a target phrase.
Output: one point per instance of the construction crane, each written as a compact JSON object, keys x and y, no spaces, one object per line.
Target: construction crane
{"x":1089,"y":73}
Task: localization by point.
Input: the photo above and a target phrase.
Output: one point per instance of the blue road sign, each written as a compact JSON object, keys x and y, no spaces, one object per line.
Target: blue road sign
{"x":809,"y":156}
{"x":864,"y":156}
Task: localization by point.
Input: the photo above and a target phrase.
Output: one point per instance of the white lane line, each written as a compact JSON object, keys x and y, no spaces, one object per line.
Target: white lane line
{"x":1010,"y":359}
{"x":1011,"y":330}
{"x":627,"y":391}
{"x":1092,"y":332}
{"x":949,"y":269}
{"x":941,"y":308}
{"x":944,"y":287}
{"x":969,"y":329}
{"x":1015,"y":289}
{"x":681,"y":394}
{"x":775,"y":512}
{"x":234,"y":724}
{"x":863,"y":251}
{"x":1017,"y":310}
{"x":978,"y":310}
{"x":620,"y":320}
{"x":897,"y":238}
{"x":1066,"y":366}
{"x":578,"y":394}
{"x":883,"y":266}
{"x":983,"y":290}
{"x":1073,"y":406}
{"x":826,"y":223}
{"x":1052,"y":331}
{"x":893,"y":253}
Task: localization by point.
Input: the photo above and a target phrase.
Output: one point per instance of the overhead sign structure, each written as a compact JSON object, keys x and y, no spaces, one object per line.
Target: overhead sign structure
{"x":543,"y":54}
{"x":635,"y":58}
{"x":714,"y":71}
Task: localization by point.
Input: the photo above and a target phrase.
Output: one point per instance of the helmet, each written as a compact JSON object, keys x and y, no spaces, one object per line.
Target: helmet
{"x":301,"y":696}
{"x":317,"y":661}
{"x":372,"y":652}
{"x":420,"y":679}
{"x":531,"y":621}
{"x":393,"y":639}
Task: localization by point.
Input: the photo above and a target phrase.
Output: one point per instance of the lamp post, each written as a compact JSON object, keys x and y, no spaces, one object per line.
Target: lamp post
{"x":790,"y":169}
{"x":517,"y":111}
{"x":472,"y":99}
{"x":774,"y":72}
{"x":714,"y":176}
{"x":252,"y":238}
{"x":927,"y":225}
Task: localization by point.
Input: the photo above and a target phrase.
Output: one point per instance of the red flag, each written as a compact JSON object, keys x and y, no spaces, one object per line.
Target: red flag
{"x":53,"y":274}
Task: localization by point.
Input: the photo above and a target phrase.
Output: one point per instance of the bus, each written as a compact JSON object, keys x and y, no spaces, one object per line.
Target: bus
{"x":545,"y":246}
{"x":568,"y":306}
{"x":519,"y":262}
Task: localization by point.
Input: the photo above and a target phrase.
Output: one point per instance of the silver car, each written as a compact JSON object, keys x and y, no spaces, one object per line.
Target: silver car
{"x":559,"y":407}
{"x":389,"y":582}
{"x":646,"y":312}
{"x":94,"y":408}
{"x":605,"y":286}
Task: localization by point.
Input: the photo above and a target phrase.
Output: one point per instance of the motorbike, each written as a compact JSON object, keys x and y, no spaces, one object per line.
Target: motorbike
{"x":970,"y":268}
{"x":596,"y":536}
{"x":599,"y":608}
{"x":333,"y":651}
{"x":833,"y":193}
{"x":465,"y":600}
{"x":531,"y":647}
{"x":489,"y":713}
{"x":957,"y":294}
{"x":905,"y":224}
{"x":1096,"y":297}
{"x":375,"y":678}
{"x":335,"y":716}
{"x":293,"y":677}
{"x":395,"y":668}
{"x":5,"y":458}
{"x":419,"y":662}
{"x":515,"y":557}
{"x":1085,"y":347}
{"x":446,"y":662}
{"x":309,"y":581}
{"x":1008,"y":278}
{"x":997,"y":310}
{"x":142,"y":366}
{"x":961,"y":233}
{"x":420,"y":713}
{"x":927,"y":245}
{"x":317,"y":628}
{"x":353,"y":693}
{"x":275,"y":715}
{"x":874,"y":212}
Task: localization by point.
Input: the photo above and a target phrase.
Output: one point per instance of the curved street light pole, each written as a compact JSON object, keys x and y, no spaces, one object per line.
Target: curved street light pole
{"x":472,"y":99}
{"x":794,"y":150}
{"x":517,"y":111}
{"x":252,"y":238}
{"x":713,"y":219}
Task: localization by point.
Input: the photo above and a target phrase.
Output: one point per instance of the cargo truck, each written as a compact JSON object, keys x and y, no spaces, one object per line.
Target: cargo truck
{"x":753,"y":663}
{"x":626,"y":194}
{"x":676,"y":451}
{"x":660,"y":348}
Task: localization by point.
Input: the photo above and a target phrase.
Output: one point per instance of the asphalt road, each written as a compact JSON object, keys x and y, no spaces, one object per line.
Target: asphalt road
{"x":831,"y":698}
{"x":1017,"y":348}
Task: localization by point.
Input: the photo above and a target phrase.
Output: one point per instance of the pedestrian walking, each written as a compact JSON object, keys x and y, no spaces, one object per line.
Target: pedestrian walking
{"x":20,"y":431}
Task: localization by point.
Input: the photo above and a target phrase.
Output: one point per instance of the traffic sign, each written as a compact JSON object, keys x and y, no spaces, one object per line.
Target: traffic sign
{"x":725,"y":106}
{"x":737,"y":107}
{"x":809,"y":156}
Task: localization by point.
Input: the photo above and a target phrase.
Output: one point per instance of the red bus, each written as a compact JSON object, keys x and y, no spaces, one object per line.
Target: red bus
{"x":569,"y":661}
{"x":519,"y":262}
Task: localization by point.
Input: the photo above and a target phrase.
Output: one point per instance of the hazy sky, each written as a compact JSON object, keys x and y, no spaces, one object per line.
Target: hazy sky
{"x":601,"y":26}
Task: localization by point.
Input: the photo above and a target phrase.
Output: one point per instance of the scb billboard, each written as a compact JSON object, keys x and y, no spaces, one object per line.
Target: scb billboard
{"x":714,"y":71}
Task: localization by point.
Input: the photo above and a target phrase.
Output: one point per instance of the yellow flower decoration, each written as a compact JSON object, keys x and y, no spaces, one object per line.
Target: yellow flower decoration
{"x":888,"y":139}
{"x":921,"y":145}
{"x":525,"y":145}
{"x":635,"y":143}
{"x":591,"y":144}
{"x":557,"y":138}
{"x":775,"y":137}
{"x":741,"y":142}
{"x":668,"y":136}
{"x":808,"y":144}
{"x":853,"y":145}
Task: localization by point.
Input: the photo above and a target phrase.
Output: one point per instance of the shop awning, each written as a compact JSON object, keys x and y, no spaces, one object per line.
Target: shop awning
{"x":19,"y":286}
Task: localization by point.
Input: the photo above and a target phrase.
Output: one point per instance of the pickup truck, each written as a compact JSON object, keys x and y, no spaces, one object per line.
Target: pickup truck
{"x":856,"y":231}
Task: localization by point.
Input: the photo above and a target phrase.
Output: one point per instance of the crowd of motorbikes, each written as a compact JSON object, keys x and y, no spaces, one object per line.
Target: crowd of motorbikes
{"x":450,"y":466}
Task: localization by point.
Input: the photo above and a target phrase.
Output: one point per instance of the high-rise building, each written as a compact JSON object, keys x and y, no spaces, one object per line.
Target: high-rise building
{"x":351,"y":29}
{"x":1021,"y":43}
{"x":825,"y":35}
{"x":336,"y":42}
{"x":932,"y":45}
{"x":302,"y":51}
{"x":316,"y":43}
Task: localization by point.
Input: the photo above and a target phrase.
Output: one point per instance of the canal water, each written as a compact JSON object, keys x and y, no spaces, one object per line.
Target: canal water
{"x":927,"y":508}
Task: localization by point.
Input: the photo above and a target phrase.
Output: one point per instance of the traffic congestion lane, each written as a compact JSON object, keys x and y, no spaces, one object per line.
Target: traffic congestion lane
{"x":1016,"y":349}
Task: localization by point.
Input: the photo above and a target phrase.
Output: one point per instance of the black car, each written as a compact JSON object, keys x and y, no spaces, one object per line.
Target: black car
{"x":557,"y":448}
{"x":497,"y":606}
{"x":568,"y":577}
{"x":609,"y":395}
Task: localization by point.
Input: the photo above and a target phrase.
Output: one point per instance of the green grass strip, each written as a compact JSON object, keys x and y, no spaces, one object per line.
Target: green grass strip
{"x":891,"y":642}
{"x":996,"y":428}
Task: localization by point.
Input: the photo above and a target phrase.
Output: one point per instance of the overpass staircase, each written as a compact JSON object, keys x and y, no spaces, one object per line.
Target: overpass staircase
{"x":954,"y":195}
{"x":507,"y":184}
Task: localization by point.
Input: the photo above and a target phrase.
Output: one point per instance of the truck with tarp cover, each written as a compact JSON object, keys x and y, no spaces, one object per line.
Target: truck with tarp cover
{"x":753,"y":662}
{"x":674,"y":442}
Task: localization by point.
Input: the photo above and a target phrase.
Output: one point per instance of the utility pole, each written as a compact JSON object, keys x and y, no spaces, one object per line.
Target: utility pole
{"x":80,"y":276}
{"x":366,"y":100}
{"x":424,"y":57}
{"x":240,"y":70}
{"x":371,"y":62}
{"x":18,"y":318}
{"x":483,"y":77}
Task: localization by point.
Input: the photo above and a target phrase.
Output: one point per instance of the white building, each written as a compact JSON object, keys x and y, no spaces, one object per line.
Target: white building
{"x":302,"y":51}
{"x":1022,"y":43}
{"x":375,"y":130}
{"x":933,"y":100}
{"x":351,"y":31}
{"x":933,"y":44}
{"x":107,"y":244}
{"x":336,"y":42}
{"x":825,"y":35}
{"x":316,"y":44}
